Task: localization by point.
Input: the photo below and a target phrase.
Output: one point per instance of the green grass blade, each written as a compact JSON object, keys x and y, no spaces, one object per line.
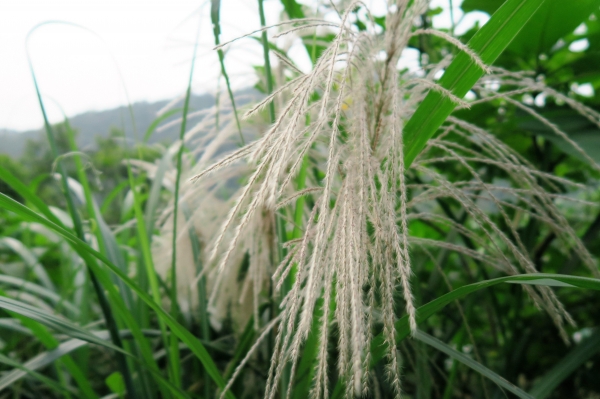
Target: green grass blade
{"x":53,"y":322}
{"x":268,"y":74}
{"x":174,"y":360}
{"x":60,"y":351}
{"x":104,"y":304}
{"x":41,"y":360}
{"x":215,"y":11}
{"x":50,"y":342}
{"x":40,"y":292}
{"x":463,"y":73}
{"x":157,"y":122}
{"x":578,"y":356}
{"x":467,"y":361}
{"x":425,"y":311}
{"x":47,"y":381}
{"x":379,"y":348}
{"x":112,"y":196}
{"x":123,"y":312}
{"x":154,"y":196}
{"x":183,"y":334}
{"x":27,"y":194}
{"x":30,"y":260}
{"x":202,"y":298}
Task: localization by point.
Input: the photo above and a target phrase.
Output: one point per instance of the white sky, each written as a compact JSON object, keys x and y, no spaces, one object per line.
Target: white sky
{"x":150,"y":40}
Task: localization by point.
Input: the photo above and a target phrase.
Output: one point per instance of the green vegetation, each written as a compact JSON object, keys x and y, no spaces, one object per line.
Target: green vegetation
{"x":363,"y":230}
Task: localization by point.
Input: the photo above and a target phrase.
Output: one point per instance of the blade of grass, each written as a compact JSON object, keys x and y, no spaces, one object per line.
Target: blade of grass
{"x":174,"y":353}
{"x":40,"y":292}
{"x":157,"y":122}
{"x":61,"y":351}
{"x":30,"y":260}
{"x":154,"y":195}
{"x":47,"y":381}
{"x":53,"y":322}
{"x":563,"y":369}
{"x":489,"y":42}
{"x":467,"y":361}
{"x":41,"y":360}
{"x":47,"y":339}
{"x":116,"y":298}
{"x":215,"y":11}
{"x":379,"y":348}
{"x":202,"y":298}
{"x":184,"y":335}
{"x":104,"y":305}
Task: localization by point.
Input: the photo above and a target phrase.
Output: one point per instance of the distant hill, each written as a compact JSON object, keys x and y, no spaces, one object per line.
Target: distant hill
{"x":91,"y":124}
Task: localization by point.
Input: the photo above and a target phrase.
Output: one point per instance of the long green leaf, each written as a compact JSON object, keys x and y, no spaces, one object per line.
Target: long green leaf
{"x":78,"y":227}
{"x":39,"y":291}
{"x":467,"y":361}
{"x":578,"y":356}
{"x":116,"y":298}
{"x":182,"y":333}
{"x":47,"y":381}
{"x":379,"y":348}
{"x":45,"y":358}
{"x":30,"y":260}
{"x":215,"y":17}
{"x":463,"y":73}
{"x":53,"y":322}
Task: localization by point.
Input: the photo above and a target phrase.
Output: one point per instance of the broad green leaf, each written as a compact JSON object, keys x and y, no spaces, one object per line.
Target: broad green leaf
{"x":467,"y":361}
{"x":583,"y":132}
{"x":292,"y":9}
{"x":116,"y":383}
{"x":463,"y":73}
{"x":554,"y":20}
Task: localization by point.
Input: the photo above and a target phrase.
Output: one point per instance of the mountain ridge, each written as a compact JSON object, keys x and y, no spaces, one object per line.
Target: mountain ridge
{"x":92,"y":124}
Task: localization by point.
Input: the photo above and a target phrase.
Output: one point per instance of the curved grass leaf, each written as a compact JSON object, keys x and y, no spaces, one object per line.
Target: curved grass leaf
{"x":425,"y":311}
{"x":467,"y":361}
{"x":53,"y":322}
{"x":157,"y":122}
{"x":46,"y":358}
{"x":463,"y":73}
{"x":47,"y":381}
{"x":30,"y":260}
{"x":182,"y":333}
{"x":52,"y":222}
{"x":578,"y":356}
{"x":379,"y":348}
{"x":39,"y":291}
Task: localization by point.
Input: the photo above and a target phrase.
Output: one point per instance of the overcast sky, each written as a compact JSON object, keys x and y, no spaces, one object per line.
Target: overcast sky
{"x":151,"y":41}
